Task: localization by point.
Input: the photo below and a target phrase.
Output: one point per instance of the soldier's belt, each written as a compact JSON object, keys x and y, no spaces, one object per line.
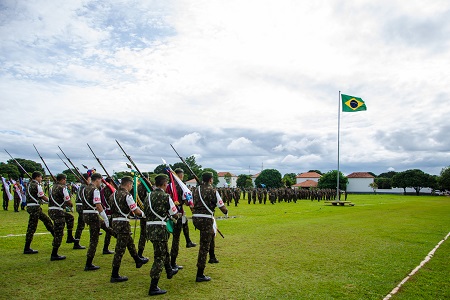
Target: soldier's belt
{"x":156,"y":223}
{"x":90,"y":212}
{"x":121,"y":219}
{"x":33,"y":204}
{"x":203,"y":216}
{"x":80,"y":204}
{"x":57,"y":208}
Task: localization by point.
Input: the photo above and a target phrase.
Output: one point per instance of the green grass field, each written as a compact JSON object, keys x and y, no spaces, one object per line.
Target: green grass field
{"x":303,"y":250}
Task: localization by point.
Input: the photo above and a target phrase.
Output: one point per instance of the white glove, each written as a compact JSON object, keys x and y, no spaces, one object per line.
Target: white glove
{"x":105,"y":218}
{"x":226,"y":216}
{"x":143,"y":215}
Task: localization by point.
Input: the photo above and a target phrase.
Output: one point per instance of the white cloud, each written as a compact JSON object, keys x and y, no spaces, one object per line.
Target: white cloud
{"x":239,"y":144}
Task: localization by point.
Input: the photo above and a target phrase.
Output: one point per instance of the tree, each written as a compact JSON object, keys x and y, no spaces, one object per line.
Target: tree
{"x":399,"y":181}
{"x":70,"y":176}
{"x":241,"y":180}
{"x":413,"y":178}
{"x":444,"y":179}
{"x":121,"y":174}
{"x":197,"y":169}
{"x":160,"y":169}
{"x":317,"y":171}
{"x":227,"y":178}
{"x":329,"y":181}
{"x":9,"y":171}
{"x":374,"y":186}
{"x":417,"y":179}
{"x":249,"y":183}
{"x":383,"y":183}
{"x":389,"y":174}
{"x":29,"y":165}
{"x":215,"y":176}
{"x":289,"y":179}
{"x":271,"y":178}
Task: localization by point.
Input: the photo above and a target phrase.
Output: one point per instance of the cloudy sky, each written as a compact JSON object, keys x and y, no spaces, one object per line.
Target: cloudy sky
{"x":239,"y":84}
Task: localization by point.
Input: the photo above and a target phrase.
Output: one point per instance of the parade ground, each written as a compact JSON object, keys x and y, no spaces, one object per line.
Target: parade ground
{"x":303,"y":250}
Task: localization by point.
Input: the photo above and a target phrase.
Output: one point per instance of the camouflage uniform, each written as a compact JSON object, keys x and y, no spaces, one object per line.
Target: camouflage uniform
{"x":34,"y":192}
{"x":17,"y":195}
{"x":92,"y":219}
{"x":56,"y":206}
{"x":122,"y":204}
{"x":106,"y":192}
{"x":203,"y":221}
{"x":142,"y":193}
{"x":156,"y":230}
{"x":79,"y":205}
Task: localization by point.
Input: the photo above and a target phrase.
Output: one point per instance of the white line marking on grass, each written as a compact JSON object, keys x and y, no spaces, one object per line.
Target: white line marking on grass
{"x":13,"y":235}
{"x":427,"y":259}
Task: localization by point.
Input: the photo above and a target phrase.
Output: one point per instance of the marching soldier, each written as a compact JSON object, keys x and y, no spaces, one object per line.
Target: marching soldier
{"x":142,"y":193}
{"x":179,"y":225}
{"x":17,"y":196}
{"x":59,"y":200}
{"x":92,"y":207}
{"x":105,"y":194}
{"x":122,"y":204}
{"x":206,"y":199}
{"x":35,"y":195}
{"x":158,"y":207}
{"x":79,"y":204}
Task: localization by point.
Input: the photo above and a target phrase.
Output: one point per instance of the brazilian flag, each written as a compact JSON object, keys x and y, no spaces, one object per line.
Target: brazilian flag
{"x":352,"y":104}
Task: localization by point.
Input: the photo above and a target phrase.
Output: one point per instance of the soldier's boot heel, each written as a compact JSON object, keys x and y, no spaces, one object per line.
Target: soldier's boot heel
{"x":140,"y":261}
{"x":115,"y":277}
{"x":154,"y":289}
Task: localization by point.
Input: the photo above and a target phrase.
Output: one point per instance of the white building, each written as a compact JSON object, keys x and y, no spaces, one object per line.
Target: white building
{"x":224,"y":183}
{"x":307,"y":180}
{"x":358,"y":182}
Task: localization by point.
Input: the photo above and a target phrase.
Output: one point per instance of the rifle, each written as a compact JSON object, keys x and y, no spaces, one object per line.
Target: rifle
{"x":189,"y":168}
{"x":147,"y":182}
{"x":53,"y":177}
{"x":104,"y":169}
{"x":78,"y":171}
{"x":75,"y":174}
{"x":20,"y":166}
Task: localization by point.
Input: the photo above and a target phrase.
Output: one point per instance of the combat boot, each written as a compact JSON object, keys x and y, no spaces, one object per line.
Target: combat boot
{"x":154,"y":289}
{"x":90,"y":266}
{"x":170,"y":271}
{"x":107,"y":251}
{"x":55,"y":256}
{"x":174,"y":264}
{"x":140,"y":261}
{"x":28,"y":250}
{"x":213,"y":260}
{"x":115,"y":277}
{"x":202,"y":277}
{"x":70,"y":238}
{"x":190,"y":244}
{"x":76,"y":245}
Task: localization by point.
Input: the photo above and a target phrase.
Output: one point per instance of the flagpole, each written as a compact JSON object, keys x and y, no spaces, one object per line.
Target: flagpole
{"x":339,"y":128}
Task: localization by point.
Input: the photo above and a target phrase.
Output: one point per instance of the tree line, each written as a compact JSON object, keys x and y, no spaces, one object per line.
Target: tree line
{"x":270,"y":178}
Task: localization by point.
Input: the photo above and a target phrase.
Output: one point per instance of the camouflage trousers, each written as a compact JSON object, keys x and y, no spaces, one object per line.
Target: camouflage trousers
{"x":70,"y":220}
{"x":16,"y":203}
{"x":160,"y":258}
{"x":80,"y":223}
{"x":142,"y":239}
{"x":107,"y":240}
{"x":36,"y":214}
{"x":176,"y":239}
{"x":207,"y":244}
{"x":95,"y":223}
{"x":124,"y":241}
{"x":59,"y":222}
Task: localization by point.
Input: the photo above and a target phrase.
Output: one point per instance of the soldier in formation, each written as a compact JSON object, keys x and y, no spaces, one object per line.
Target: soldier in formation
{"x":122,"y":205}
{"x":206,"y":199}
{"x":35,"y":196}
{"x":158,"y":208}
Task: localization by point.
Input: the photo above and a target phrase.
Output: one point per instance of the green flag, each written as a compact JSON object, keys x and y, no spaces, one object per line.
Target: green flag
{"x":352,"y":104}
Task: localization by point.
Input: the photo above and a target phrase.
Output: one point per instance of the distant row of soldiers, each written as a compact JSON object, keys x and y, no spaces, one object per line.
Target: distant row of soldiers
{"x":262,"y":195}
